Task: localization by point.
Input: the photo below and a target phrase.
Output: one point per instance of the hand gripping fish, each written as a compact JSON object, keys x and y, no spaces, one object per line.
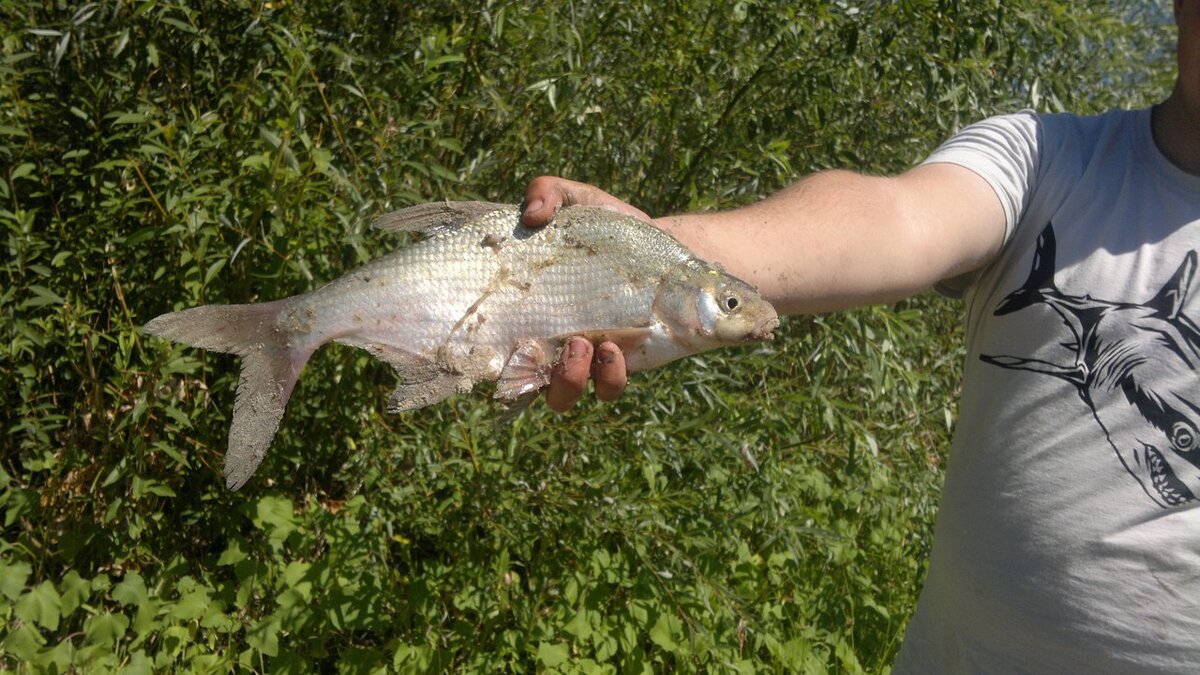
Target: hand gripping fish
{"x":480,"y":298}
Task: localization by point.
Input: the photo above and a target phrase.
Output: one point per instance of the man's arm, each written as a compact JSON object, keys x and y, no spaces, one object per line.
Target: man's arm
{"x":831,"y":241}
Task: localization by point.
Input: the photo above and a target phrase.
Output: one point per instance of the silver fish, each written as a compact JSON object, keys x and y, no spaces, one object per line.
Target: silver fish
{"x":480,"y":298}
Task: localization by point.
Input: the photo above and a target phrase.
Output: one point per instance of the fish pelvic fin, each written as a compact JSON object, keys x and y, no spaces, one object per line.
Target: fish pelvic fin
{"x":1040,"y":281}
{"x":270,"y":368}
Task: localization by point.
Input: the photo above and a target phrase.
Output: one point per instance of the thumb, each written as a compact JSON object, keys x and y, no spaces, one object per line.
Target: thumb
{"x":546,"y":194}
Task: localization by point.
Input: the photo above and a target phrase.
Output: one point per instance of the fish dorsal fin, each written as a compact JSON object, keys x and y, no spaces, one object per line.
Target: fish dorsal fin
{"x":436,"y":217}
{"x":1170,"y":299}
{"x":1040,"y":281}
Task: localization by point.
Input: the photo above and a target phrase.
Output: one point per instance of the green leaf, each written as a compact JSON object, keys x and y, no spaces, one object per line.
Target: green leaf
{"x":552,"y":655}
{"x":192,"y":605}
{"x":447,"y":58}
{"x":24,"y":642}
{"x":139,"y":664}
{"x":270,"y":137}
{"x":129,"y":118}
{"x":187,"y":28}
{"x":355,"y":661}
{"x":22,"y":171}
{"x":75,"y":590}
{"x":144,"y":7}
{"x":41,"y":605}
{"x":105,"y":629}
{"x":665,"y":630}
{"x":12,"y":578}
{"x":131,"y":590}
{"x":295,"y":577}
{"x":580,"y":625}
{"x":213,"y":269}
{"x":42,"y":296}
{"x":264,"y":636}
{"x":234,"y":553}
{"x":275,"y":516}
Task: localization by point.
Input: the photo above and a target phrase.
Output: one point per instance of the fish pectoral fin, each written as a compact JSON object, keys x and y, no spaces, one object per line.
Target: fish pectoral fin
{"x":423,"y":381}
{"x":525,"y":373}
{"x":514,"y":408}
{"x":435,"y":218}
{"x":1076,"y":374}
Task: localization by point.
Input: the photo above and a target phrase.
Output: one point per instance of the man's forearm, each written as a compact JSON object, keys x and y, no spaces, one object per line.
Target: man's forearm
{"x":837,"y":239}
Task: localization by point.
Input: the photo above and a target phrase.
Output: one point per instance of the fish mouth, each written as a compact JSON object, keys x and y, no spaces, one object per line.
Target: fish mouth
{"x":764,"y":330}
{"x":1170,"y":489}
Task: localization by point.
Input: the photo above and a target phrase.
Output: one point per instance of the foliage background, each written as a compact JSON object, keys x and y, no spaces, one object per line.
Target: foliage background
{"x":765,"y":509}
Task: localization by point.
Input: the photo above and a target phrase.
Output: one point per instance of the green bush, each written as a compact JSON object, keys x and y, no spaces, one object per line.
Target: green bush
{"x":759,"y":509}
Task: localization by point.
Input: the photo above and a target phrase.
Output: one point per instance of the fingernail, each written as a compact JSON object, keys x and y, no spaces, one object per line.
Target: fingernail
{"x":605,"y":356}
{"x":534,"y":206}
{"x":574,"y":350}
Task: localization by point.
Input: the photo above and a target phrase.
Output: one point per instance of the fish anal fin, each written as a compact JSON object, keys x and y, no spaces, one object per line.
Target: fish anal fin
{"x":422,"y":381}
{"x":436,"y":217}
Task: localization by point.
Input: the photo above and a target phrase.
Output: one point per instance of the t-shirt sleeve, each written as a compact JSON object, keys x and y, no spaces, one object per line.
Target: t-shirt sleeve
{"x":1003,"y":150}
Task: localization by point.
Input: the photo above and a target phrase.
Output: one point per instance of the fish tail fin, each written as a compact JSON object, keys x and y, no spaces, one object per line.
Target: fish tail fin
{"x":271,"y":366}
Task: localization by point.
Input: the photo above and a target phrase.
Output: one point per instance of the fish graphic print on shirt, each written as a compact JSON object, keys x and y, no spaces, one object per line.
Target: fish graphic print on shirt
{"x":1134,"y":366}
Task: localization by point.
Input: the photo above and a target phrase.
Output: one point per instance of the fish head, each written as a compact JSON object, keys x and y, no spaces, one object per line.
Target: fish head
{"x":1142,"y":385}
{"x":704,"y":308}
{"x":1158,"y":442}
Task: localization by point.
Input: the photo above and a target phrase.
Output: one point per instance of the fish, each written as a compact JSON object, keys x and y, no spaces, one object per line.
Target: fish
{"x":478,"y":298}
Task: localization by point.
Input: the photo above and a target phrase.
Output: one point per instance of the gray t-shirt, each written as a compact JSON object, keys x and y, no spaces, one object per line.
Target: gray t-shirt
{"x":1068,"y":539}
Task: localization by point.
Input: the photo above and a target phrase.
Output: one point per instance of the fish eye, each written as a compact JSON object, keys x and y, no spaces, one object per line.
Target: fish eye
{"x":1183,"y":437}
{"x":731,"y":303}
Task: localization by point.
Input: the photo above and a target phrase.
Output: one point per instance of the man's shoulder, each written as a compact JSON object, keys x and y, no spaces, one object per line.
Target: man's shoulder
{"x":1056,"y":128}
{"x":1066,"y":122}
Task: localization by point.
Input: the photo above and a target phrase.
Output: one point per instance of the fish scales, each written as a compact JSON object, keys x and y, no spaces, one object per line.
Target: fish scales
{"x":481,"y":298}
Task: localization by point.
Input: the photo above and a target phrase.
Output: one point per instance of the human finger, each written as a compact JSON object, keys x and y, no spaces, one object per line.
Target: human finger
{"x":546,"y":194}
{"x":569,"y":377}
{"x":608,"y":371}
